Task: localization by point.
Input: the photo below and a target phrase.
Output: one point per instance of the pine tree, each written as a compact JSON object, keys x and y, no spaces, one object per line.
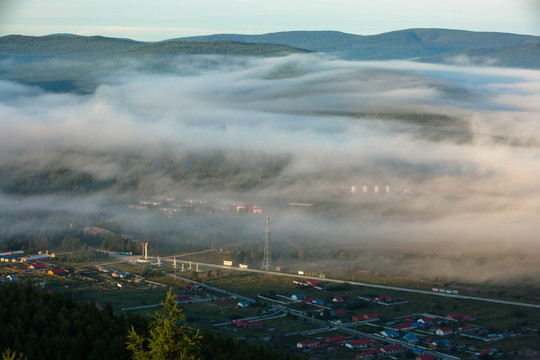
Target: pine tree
{"x":9,"y":354}
{"x":167,"y":339}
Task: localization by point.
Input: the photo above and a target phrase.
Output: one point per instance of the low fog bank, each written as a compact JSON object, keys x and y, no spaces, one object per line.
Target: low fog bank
{"x":396,"y":154}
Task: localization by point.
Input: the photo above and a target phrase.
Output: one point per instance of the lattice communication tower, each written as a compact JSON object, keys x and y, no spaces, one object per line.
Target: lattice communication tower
{"x":267,"y":259}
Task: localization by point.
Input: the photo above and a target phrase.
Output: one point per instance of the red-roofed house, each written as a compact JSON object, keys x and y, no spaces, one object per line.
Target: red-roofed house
{"x":313,"y":282}
{"x":365,"y":317}
{"x":256,"y":325}
{"x":334,"y":339}
{"x":241,"y":323}
{"x":337,"y":299}
{"x":38,"y":266}
{"x":489,"y":352}
{"x":57,"y":271}
{"x":369,"y":353}
{"x":393,"y":349}
{"x":425,"y":357}
{"x":403,"y":327}
{"x":426,"y":320}
{"x":307,"y":344}
{"x":467,"y":329}
{"x":337,"y":313}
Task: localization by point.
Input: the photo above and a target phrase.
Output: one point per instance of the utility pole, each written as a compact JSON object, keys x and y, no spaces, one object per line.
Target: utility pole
{"x":267,"y":259}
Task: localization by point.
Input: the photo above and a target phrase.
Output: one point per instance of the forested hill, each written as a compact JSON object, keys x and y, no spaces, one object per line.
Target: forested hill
{"x":82,"y":46}
{"x":71,"y":63}
{"x":431,"y":45}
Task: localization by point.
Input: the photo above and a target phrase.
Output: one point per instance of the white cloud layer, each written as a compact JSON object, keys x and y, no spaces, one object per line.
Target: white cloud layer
{"x":470,"y":177}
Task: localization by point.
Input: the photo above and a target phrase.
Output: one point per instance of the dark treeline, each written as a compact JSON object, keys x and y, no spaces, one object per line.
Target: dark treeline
{"x":247,"y":256}
{"x":50,"y":326}
{"x":212,"y":171}
{"x":41,"y":325}
{"x":66,"y":240}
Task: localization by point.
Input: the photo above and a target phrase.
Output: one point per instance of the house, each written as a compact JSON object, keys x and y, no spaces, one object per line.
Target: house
{"x":369,"y":354}
{"x":307,"y":344}
{"x":56,"y":271}
{"x":313,"y":283}
{"x":119,"y":274}
{"x":241,"y":208}
{"x":425,"y":357}
{"x":444,"y":343}
{"x":392,"y":349}
{"x":467,"y":329}
{"x":256,"y":325}
{"x":444,"y":331}
{"x":359,"y":344}
{"x":243,"y":304}
{"x":426,"y":320}
{"x":410,"y":338}
{"x":365,"y":318}
{"x":12,"y":277}
{"x":319,"y":302}
{"x":383,"y":299}
{"x":403,"y":327}
{"x":334,"y":339}
{"x":298,"y":296}
{"x":337,"y":299}
{"x":241,"y":323}
{"x":488,"y":352}
{"x":393,"y":334}
{"x":337,"y":313}
{"x":37,"y":266}
{"x":255,"y":210}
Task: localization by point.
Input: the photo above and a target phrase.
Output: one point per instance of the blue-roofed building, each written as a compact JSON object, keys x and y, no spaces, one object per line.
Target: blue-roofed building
{"x":410,"y":338}
{"x":393,"y":334}
{"x":244,"y":304}
{"x":318,"y":302}
{"x":298,"y":296}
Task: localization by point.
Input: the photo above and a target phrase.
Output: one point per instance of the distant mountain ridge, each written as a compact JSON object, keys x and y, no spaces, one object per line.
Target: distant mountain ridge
{"x":402,"y":44}
{"x":33,"y":60}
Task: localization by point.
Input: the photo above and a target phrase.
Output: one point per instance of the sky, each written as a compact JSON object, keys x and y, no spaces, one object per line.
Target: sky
{"x":165,"y":19}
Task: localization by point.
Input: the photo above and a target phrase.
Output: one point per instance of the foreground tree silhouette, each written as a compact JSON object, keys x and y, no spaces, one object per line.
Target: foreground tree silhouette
{"x":167,"y":339}
{"x":9,"y":354}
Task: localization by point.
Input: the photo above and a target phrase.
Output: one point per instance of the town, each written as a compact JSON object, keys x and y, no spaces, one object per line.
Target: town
{"x":298,"y":314}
